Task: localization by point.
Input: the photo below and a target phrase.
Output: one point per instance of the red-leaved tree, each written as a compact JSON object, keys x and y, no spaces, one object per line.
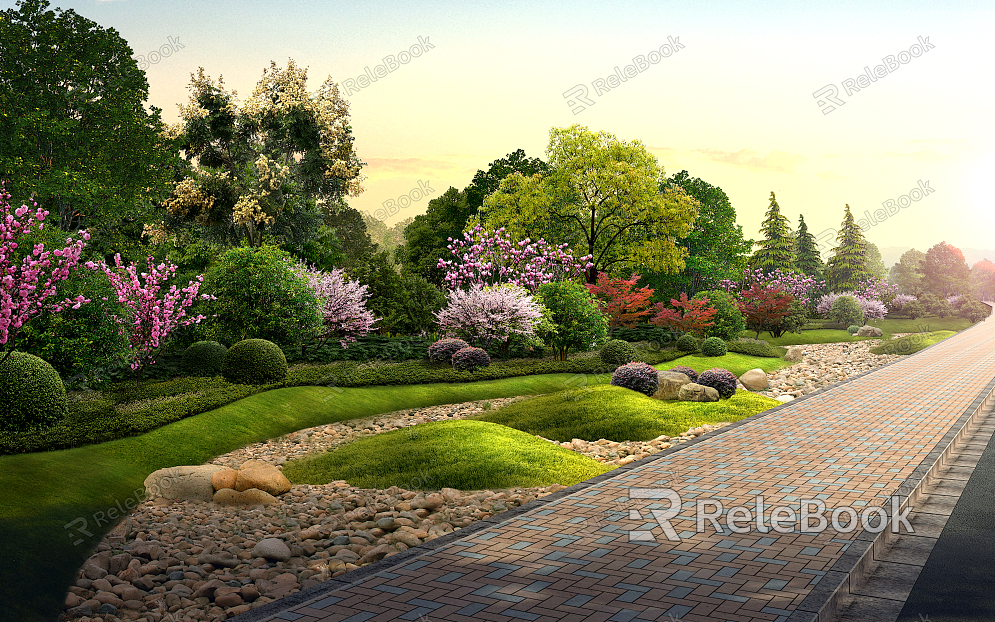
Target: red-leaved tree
{"x":618,"y":302}
{"x":688,"y":316}
{"x":763,"y":307}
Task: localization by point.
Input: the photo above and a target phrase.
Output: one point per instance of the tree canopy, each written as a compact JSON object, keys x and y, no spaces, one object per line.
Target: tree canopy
{"x":776,"y":249}
{"x":848,"y":265}
{"x":945,"y":271}
{"x":807,"y":258}
{"x":907,"y":273}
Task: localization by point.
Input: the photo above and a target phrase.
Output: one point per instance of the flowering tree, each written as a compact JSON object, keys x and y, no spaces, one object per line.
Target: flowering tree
{"x":873,"y":309}
{"x":796,"y":284}
{"x":343,"y":305}
{"x":899,"y":302}
{"x":876,"y":289}
{"x":489,"y":314}
{"x":618,"y":302}
{"x":483,"y":258}
{"x":764,"y":307}
{"x":696,"y":316}
{"x":28,"y":286}
{"x":151,"y":316}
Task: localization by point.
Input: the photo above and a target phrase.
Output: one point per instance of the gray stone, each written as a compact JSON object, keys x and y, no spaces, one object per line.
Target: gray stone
{"x":670,"y":383}
{"x":785,"y":398}
{"x":869,"y":331}
{"x":272,"y":548}
{"x":693,"y":392}
{"x":92,"y":571}
{"x":755,"y":380}
{"x":107,"y":608}
{"x":217,"y":560}
{"x":794,"y":354}
{"x":183,"y":482}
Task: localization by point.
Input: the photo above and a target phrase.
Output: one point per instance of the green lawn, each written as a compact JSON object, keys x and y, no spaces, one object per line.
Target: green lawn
{"x":910,"y":344}
{"x":888,"y":326}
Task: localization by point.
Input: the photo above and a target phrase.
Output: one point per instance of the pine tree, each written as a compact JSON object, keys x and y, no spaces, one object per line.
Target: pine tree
{"x":807,"y":257}
{"x":776,"y":249}
{"x":848,"y":265}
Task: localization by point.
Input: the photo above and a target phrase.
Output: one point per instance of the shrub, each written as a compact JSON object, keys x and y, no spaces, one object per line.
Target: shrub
{"x":729,"y":321}
{"x":931,"y":302}
{"x":753,"y":347}
{"x":442,"y":351}
{"x":852,"y":329}
{"x":470,"y":359}
{"x":254,"y":361}
{"x":722,"y":380}
{"x":32,"y":396}
{"x":639,"y":377}
{"x":943,"y":308}
{"x":846,"y":310}
{"x":203,"y":359}
{"x":687,"y":371}
{"x":617,"y":352}
{"x":713,"y":346}
{"x":914,"y":309}
{"x":974,"y":311}
{"x":574,"y":314}
{"x":793,"y":322}
{"x":898,"y":303}
{"x":688,"y":343}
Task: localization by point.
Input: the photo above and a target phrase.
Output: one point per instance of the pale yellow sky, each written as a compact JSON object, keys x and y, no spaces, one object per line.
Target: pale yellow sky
{"x":733,"y":104}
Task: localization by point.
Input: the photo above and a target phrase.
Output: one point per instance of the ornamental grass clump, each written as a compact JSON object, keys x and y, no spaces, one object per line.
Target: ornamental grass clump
{"x":470,"y":359}
{"x":639,"y":377}
{"x":687,"y":371}
{"x":722,"y":380}
{"x":442,"y":351}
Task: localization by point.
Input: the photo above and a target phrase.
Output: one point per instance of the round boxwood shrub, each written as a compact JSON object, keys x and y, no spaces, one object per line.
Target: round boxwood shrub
{"x":470,"y":359}
{"x":32,"y":395}
{"x":442,"y":351}
{"x":638,"y":377}
{"x":713,"y":346}
{"x":852,"y":329}
{"x":617,"y":352}
{"x":254,"y":361}
{"x":687,"y":343}
{"x":687,"y":371}
{"x":722,"y":380}
{"x":846,"y":310}
{"x":203,"y":358}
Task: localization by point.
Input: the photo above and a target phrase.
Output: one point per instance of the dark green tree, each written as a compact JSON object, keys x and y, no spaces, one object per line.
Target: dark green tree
{"x":945,"y":271}
{"x":807,"y":258}
{"x":406,"y":302}
{"x":907,"y":273}
{"x":776,"y":249}
{"x":848,"y":265}
{"x":576,"y":320}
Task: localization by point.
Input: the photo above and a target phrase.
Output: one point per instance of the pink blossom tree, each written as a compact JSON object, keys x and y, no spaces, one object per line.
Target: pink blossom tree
{"x":343,"y":305}
{"x":151,"y":316}
{"x":28,"y":286}
{"x":489,"y":314}
{"x":489,"y":259}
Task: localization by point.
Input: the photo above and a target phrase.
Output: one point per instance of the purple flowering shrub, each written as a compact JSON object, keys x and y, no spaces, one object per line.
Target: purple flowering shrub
{"x":442,"y":351}
{"x":638,"y":377}
{"x":722,"y":380}
{"x":470,"y":359}
{"x":687,"y":371}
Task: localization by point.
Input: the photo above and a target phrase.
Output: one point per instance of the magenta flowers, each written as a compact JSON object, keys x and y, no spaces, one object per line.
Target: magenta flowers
{"x":343,"y":305}
{"x":490,"y":314}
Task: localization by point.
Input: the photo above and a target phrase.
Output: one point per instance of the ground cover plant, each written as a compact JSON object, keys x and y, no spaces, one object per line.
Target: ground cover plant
{"x":910,"y":344}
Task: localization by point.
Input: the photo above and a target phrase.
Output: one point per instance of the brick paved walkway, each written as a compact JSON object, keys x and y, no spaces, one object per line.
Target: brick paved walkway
{"x":593,"y":553}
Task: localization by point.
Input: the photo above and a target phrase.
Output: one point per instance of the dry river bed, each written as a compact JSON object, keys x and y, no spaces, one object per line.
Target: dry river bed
{"x":186,"y":561}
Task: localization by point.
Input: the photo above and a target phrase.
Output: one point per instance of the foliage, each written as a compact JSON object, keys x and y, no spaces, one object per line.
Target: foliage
{"x":576,"y":320}
{"x":442,"y":350}
{"x":722,"y":380}
{"x":204,"y":358}
{"x":687,"y":371}
{"x":931,"y":302}
{"x":254,"y":361}
{"x":688,"y":343}
{"x":343,"y":305}
{"x":753,"y":348}
{"x":776,"y":249}
{"x":796,"y":284}
{"x":470,"y":359}
{"x":637,"y":376}
{"x":899,"y":302}
{"x":260,"y":295}
{"x":32,"y":396}
{"x":713,"y":346}
{"x":871,"y":308}
{"x":846,"y":310}
{"x":728,"y":322}
{"x":78,"y":135}
{"x":914,"y":309}
{"x":406,"y":302}
{"x":983,"y":279}
{"x":490,"y":315}
{"x":688,"y":316}
{"x":852,"y":329}
{"x":619,"y":303}
{"x":876,"y":289}
{"x":807,"y":257}
{"x":848,"y":265}
{"x":617,"y":352}
{"x":875,"y":263}
{"x":945,"y":271}
{"x":764,"y":307}
{"x":974,"y":311}
{"x":793,"y":322}
{"x":907,"y":273}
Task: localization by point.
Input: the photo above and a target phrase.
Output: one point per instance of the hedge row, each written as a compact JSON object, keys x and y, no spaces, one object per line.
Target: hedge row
{"x":753,"y":349}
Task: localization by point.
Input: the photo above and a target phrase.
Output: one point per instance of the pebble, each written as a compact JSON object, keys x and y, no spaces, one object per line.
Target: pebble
{"x":825,"y":364}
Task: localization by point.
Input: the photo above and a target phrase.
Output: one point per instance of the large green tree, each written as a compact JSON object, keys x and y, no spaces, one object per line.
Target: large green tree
{"x":603,"y":198}
{"x":848,"y":265}
{"x":983,"y":279}
{"x":76,"y":134}
{"x":715,"y":247}
{"x":945,"y":271}
{"x":907,"y":273}
{"x":807,"y":258}
{"x":776,"y":249}
{"x":875,"y":263}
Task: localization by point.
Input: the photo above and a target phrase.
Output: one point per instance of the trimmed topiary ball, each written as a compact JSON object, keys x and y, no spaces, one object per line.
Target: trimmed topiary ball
{"x":722,"y":380}
{"x":617,"y":352}
{"x":32,"y":395}
{"x":638,"y":377}
{"x":470,"y":359}
{"x":688,"y":343}
{"x":687,"y":371}
{"x":852,"y":329}
{"x":713,"y":346}
{"x":203,"y":358}
{"x":442,"y":351}
{"x":254,"y":361}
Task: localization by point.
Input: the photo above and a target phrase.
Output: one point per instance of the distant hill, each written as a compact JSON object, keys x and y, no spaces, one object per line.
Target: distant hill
{"x":891,"y":254}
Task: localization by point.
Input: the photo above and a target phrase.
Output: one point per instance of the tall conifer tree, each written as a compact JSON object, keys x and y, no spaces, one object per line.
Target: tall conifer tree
{"x":777,"y":249}
{"x":848,"y":265}
{"x":807,"y":257}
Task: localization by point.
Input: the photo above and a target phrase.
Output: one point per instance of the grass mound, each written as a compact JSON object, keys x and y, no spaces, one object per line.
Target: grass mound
{"x":910,"y":344}
{"x":467,"y":455}
{"x":619,"y":414}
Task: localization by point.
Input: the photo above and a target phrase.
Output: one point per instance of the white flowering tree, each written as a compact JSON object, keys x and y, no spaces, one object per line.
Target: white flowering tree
{"x":490,"y":314}
{"x":343,"y":305}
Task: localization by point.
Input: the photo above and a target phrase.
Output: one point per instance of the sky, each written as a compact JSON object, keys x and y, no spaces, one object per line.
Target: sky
{"x":752,"y":97}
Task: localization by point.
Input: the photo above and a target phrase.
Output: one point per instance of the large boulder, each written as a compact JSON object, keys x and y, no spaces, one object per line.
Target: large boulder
{"x":869,"y":331}
{"x":252,"y":496}
{"x":794,"y":354}
{"x":755,"y":380}
{"x":224,"y":479}
{"x":693,"y":392}
{"x":670,"y":384}
{"x":182,"y":482}
{"x":261,"y":475}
